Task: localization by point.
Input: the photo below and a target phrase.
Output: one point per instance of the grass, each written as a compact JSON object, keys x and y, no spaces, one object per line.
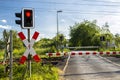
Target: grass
{"x":39,"y":72}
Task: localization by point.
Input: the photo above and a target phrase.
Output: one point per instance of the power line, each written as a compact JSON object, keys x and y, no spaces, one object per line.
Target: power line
{"x":87,"y":4}
{"x":117,"y":2}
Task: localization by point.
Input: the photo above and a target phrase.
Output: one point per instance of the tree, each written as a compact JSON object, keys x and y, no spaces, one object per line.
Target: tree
{"x":117,"y":40}
{"x":59,"y":40}
{"x":107,"y":34}
{"x":17,"y":43}
{"x":84,"y":34}
{"x":2,"y":44}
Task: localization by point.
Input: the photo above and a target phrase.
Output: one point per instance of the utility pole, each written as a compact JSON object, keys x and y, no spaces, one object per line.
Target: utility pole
{"x":58,"y":28}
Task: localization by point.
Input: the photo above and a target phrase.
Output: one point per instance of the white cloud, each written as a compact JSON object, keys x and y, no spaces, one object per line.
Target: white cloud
{"x":4,"y":21}
{"x":5,"y":27}
{"x":63,"y":20}
{"x":113,"y":22}
{"x":112,"y":0}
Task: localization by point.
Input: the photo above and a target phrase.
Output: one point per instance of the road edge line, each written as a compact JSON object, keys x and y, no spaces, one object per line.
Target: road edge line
{"x":66,"y":63}
{"x":109,"y":61}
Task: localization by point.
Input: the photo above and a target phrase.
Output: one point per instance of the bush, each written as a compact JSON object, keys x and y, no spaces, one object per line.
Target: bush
{"x":18,"y":52}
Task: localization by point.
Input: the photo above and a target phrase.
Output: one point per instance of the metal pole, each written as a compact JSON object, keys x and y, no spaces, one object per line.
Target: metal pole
{"x":57,"y":31}
{"x":11,"y":58}
{"x":29,"y":56}
{"x":57,"y":28}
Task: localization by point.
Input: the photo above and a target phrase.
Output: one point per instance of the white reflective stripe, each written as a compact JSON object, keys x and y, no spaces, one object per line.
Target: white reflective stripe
{"x":26,"y":43}
{"x":32,"y":51}
{"x":32,"y":42}
{"x":26,"y":52}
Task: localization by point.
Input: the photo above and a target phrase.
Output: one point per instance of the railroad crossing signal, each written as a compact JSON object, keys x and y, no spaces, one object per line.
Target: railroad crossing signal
{"x":26,"y":16}
{"x":29,"y":46}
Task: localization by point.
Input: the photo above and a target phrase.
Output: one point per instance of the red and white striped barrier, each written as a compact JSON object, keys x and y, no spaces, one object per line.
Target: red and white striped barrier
{"x":57,"y":54}
{"x":29,"y":46}
{"x":93,"y":53}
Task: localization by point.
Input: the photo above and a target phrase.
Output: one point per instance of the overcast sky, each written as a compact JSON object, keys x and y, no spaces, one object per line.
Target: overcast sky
{"x":73,"y":11}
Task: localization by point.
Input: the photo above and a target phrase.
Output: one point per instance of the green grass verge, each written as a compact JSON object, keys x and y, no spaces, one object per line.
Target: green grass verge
{"x":39,"y":72}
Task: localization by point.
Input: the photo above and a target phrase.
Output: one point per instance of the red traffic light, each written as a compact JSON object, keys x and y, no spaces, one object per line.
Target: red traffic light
{"x":28,"y":13}
{"x":28,"y":18}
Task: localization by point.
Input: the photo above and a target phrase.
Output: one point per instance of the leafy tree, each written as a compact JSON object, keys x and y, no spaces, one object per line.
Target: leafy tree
{"x":59,"y":40}
{"x":84,"y":34}
{"x":17,"y":42}
{"x":108,"y":35}
{"x":2,"y":44}
{"x":117,"y":40}
{"x":45,"y":45}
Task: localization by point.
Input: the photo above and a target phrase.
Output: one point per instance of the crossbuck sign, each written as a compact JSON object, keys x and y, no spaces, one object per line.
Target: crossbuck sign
{"x":29,"y":46}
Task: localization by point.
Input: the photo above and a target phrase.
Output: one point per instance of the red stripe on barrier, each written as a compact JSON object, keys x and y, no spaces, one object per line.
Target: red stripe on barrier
{"x":35,"y":35}
{"x":57,"y":54}
{"x":114,"y":53}
{"x":80,"y":53}
{"x":72,"y":53}
{"x":108,"y":53}
{"x":94,"y":53}
{"x":100,"y":53}
{"x":21,"y":35}
{"x":87,"y":53}
{"x":50,"y":54}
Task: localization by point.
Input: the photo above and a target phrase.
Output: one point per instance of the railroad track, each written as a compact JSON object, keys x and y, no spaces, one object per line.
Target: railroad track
{"x":52,"y":60}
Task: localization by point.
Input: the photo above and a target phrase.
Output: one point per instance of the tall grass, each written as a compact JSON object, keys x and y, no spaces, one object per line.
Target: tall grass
{"x":39,"y":72}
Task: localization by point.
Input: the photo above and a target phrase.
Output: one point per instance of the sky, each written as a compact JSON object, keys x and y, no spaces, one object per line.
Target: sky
{"x":72,"y":11}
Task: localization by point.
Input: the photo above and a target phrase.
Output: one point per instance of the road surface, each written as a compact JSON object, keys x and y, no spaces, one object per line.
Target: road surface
{"x":91,"y":67}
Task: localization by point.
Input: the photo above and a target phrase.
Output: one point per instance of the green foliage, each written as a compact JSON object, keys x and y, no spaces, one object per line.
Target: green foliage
{"x":2,"y":74}
{"x":49,"y":45}
{"x":44,"y":45}
{"x":1,"y":54}
{"x":42,"y":51}
{"x":82,"y":34}
{"x":17,"y":43}
{"x":39,"y":72}
{"x":88,"y":33}
{"x":117,"y":40}
{"x":59,"y":41}
{"x":2,"y":44}
{"x":18,"y":52}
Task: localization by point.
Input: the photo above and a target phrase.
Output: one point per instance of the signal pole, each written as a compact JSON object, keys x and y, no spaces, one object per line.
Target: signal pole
{"x":29,"y":56}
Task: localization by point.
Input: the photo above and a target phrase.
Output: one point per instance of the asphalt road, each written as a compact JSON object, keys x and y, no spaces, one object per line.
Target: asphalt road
{"x":91,"y":67}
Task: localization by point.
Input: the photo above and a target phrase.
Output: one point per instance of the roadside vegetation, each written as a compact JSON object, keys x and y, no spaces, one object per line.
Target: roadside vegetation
{"x":39,"y":72}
